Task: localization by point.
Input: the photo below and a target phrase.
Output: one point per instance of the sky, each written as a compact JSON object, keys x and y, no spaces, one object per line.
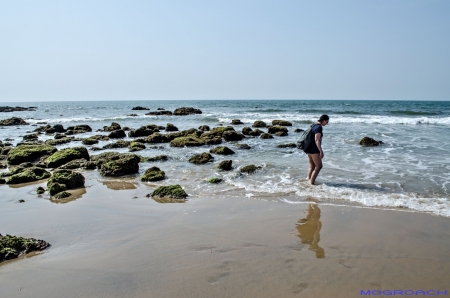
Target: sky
{"x":168,"y":49}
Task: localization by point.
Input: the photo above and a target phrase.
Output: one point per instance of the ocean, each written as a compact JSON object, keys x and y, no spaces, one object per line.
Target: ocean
{"x":410,"y":171}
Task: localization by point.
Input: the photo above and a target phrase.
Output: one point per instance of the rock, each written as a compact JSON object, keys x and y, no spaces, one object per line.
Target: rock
{"x":186,"y":111}
{"x":200,"y":159}
{"x":153,"y":174}
{"x":59,"y":136}
{"x":65,"y":155}
{"x":226,"y":165}
{"x":236,"y":122}
{"x":155,"y":158}
{"x":281,"y":133}
{"x":136,"y":146}
{"x":266,"y":136}
{"x":218,"y":131}
{"x":125,"y":165}
{"x":17,"y":170}
{"x":204,"y":128}
{"x":96,"y":148}
{"x":186,"y":141}
{"x":58,"y":128}
{"x":55,"y":188}
{"x":58,"y":141}
{"x":28,"y":153}
{"x":106,"y":157}
{"x":290,"y":145}
{"x":117,"y":134}
{"x":2,"y":181}
{"x":246,"y":130}
{"x":171,"y":127}
{"x":249,"y":169}
{"x":71,"y":130}
{"x":366,"y":141}
{"x":160,"y":109}
{"x":70,"y":179}
{"x":118,"y":144}
{"x":276,"y":129}
{"x":28,"y":175}
{"x":139,"y":108}
{"x":114,"y":126}
{"x":126,"y":128}
{"x":32,"y":137}
{"x":171,"y":191}
{"x":298,"y":130}
{"x":256,"y":132}
{"x":222,"y":150}
{"x":16,"y":109}
{"x":281,"y":123}
{"x":89,"y":141}
{"x":232,"y":136}
{"x":259,"y":123}
{"x":143,"y":131}
{"x":40,"y":190}
{"x":133,"y":115}
{"x":62,"y":195}
{"x":159,"y":113}
{"x":48,"y":129}
{"x":21,"y":201}
{"x":77,"y":164}
{"x":12,"y":121}
{"x":243,"y":146}
{"x":157,"y":138}
{"x":12,"y":247}
{"x":215,"y":180}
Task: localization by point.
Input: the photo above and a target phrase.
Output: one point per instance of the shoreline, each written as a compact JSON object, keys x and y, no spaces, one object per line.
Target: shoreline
{"x":117,"y":243}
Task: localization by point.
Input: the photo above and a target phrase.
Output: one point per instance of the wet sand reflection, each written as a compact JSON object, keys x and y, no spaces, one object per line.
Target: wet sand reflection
{"x":309,"y":230}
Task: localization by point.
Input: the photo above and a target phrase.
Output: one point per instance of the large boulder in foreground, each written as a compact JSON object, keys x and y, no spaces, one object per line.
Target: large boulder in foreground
{"x":186,"y":111}
{"x":12,"y":247}
{"x":28,"y":153}
{"x":126,"y":164}
{"x":13,"y":121}
{"x":171,"y":191}
{"x":70,"y":179}
{"x":28,"y":175}
{"x":366,"y":141}
{"x":65,"y":155}
{"x":153,"y":174}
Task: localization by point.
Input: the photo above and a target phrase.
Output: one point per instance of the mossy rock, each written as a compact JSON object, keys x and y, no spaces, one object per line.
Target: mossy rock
{"x":70,"y":179}
{"x":186,"y":141}
{"x":256,"y":132}
{"x":12,"y":247}
{"x":153,"y":174}
{"x":89,"y":141}
{"x":117,"y":134}
{"x":55,"y":188}
{"x":157,"y":138}
{"x":243,"y":146}
{"x":155,"y":158}
{"x":171,"y":191}
{"x":28,"y":153}
{"x":246,"y":130}
{"x":186,"y":111}
{"x":266,"y":136}
{"x":57,"y":142}
{"x":218,"y":131}
{"x":28,"y":175}
{"x":62,"y":195}
{"x":13,"y":121}
{"x":366,"y":141}
{"x":276,"y":129}
{"x":222,"y":150}
{"x":106,"y":157}
{"x":236,"y":122}
{"x":77,"y":164}
{"x":204,"y":128}
{"x":290,"y":145}
{"x":136,"y":146}
{"x":114,"y":126}
{"x":171,"y":127}
{"x":143,"y":131}
{"x":226,"y":165}
{"x":249,"y":169}
{"x":200,"y":159}
{"x":78,"y":129}
{"x":298,"y":130}
{"x":118,"y":144}
{"x":65,"y":155}
{"x":40,"y":190}
{"x":259,"y":123}
{"x":215,"y":180}
{"x":281,"y":123}
{"x":125,"y":165}
{"x":281,"y":133}
{"x":230,"y":136}
{"x":31,"y":137}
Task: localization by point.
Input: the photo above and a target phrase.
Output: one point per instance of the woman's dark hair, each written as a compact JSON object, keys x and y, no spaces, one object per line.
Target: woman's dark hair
{"x":323,"y":118}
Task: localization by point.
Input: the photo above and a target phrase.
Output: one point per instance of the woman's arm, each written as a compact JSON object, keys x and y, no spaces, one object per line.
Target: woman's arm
{"x":319,"y":145}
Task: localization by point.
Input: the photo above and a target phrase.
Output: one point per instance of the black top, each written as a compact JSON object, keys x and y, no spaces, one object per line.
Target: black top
{"x":312,"y":149}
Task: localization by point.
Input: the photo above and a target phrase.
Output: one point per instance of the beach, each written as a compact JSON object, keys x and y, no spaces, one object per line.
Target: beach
{"x":118,"y":243}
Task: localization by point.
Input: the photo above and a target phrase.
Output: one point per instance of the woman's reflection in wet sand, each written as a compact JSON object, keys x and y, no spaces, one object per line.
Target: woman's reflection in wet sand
{"x":309,"y":230}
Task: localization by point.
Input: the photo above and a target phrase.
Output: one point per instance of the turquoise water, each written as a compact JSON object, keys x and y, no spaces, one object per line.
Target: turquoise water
{"x":409,"y":172}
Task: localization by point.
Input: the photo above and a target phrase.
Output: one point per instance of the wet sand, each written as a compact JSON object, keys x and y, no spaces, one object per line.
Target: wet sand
{"x":111,"y":241}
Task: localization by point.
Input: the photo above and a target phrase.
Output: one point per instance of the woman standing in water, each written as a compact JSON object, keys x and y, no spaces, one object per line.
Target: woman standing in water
{"x":314,"y":151}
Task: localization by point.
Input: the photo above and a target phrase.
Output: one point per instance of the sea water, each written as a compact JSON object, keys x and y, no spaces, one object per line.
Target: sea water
{"x":409,"y":171}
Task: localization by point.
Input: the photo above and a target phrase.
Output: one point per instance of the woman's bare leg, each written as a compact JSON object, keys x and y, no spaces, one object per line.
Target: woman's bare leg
{"x":312,"y":166}
{"x":318,"y":166}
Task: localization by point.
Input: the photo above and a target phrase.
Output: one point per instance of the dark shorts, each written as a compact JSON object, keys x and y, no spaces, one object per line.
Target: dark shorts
{"x":312,"y":149}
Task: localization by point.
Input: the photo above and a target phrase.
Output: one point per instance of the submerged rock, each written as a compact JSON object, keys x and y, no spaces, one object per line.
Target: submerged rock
{"x":8,"y":109}
{"x":222,"y":150}
{"x":281,"y":123}
{"x":266,"y":136}
{"x":202,"y":158}
{"x":186,"y":111}
{"x":249,"y":169}
{"x":215,"y":180}
{"x":153,"y":174}
{"x":12,"y":247}
{"x":290,"y":145}
{"x":298,"y":130}
{"x":126,"y":164}
{"x":366,"y":141}
{"x":139,"y":108}
{"x":13,"y":121}
{"x":65,"y":155}
{"x":155,"y":158}
{"x":236,"y":122}
{"x":28,"y":153}
{"x":159,"y":113}
{"x":243,"y":146}
{"x":171,"y":191}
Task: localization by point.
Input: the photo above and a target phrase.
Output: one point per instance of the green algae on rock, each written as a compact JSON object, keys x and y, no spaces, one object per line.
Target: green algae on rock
{"x":13,"y":121}
{"x":136,"y":146}
{"x":40,"y":190}
{"x":153,"y":174}
{"x":28,"y":153}
{"x":202,"y":158}
{"x":266,"y":136}
{"x":70,"y":179}
{"x":215,"y":180}
{"x":126,"y":164}
{"x":55,"y":188}
{"x":223,"y":150}
{"x":65,"y":155}
{"x":28,"y":175}
{"x":62,"y":195}
{"x":171,"y":191}
{"x":60,"y":141}
{"x":249,"y":169}
{"x":154,"y":158}
{"x":186,"y":141}
{"x":12,"y":247}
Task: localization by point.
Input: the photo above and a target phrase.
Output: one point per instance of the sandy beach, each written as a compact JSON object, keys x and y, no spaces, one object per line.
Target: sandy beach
{"x":109,"y":240}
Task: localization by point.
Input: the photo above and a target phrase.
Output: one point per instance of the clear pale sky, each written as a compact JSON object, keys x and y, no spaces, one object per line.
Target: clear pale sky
{"x":145,"y":50}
